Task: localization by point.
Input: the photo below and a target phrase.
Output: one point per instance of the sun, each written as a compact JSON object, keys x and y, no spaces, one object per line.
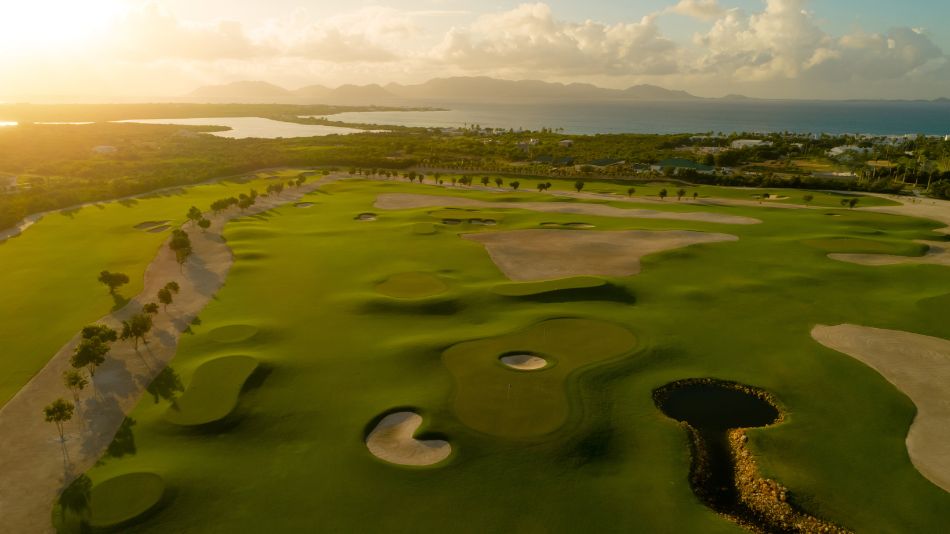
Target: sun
{"x":53,"y":25}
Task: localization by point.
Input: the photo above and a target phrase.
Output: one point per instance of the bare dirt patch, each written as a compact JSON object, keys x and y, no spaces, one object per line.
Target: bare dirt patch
{"x":533,"y":255}
{"x":392,"y":441}
{"x":937,"y":254}
{"x":917,"y":365}
{"x":402,"y":201}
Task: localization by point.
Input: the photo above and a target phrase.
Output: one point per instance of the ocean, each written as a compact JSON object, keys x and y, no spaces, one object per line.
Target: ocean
{"x":758,"y":116}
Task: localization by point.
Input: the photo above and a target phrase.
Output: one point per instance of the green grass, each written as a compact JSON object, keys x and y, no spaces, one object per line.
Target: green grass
{"x":535,"y":288}
{"x":412,"y":285}
{"x":213,"y":391}
{"x":124,"y":498}
{"x":496,"y":400}
{"x":49,"y":273}
{"x":867,"y":246}
{"x":295,"y":459}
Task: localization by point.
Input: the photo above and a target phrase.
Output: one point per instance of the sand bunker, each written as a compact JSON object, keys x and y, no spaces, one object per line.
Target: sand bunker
{"x":303,"y":205}
{"x":920,"y":367}
{"x":401,"y":201}
{"x":524,"y":361}
{"x":937,"y":254}
{"x":533,"y":255}
{"x":392,"y":441}
{"x":365,"y":217}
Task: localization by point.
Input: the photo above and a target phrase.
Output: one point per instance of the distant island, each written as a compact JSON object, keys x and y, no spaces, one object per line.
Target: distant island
{"x":475,"y":89}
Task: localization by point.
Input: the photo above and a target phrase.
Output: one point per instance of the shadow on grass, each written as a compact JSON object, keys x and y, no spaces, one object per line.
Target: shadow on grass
{"x":423,"y":307}
{"x":604,"y":293}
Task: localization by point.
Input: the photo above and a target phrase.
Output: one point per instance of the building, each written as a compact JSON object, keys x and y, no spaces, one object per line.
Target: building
{"x":839,"y":151}
{"x":566,"y":143}
{"x":749,"y":143}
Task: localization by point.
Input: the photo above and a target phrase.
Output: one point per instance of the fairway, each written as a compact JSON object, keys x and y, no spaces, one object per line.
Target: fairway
{"x":412,"y":364}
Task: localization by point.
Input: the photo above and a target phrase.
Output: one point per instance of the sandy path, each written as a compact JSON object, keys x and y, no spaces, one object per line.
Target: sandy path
{"x":534,"y":255}
{"x":401,"y":201}
{"x":31,"y":463}
{"x":920,"y":367}
{"x":392,"y":441}
{"x":937,"y":254}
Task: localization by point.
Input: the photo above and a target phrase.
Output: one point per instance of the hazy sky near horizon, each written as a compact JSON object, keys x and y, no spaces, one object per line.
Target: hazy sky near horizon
{"x":765,"y":48}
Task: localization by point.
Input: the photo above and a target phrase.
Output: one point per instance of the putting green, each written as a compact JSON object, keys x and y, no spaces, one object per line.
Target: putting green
{"x":412,"y":285}
{"x":234,"y":333}
{"x":213,"y":392}
{"x":496,"y":400}
{"x":118,"y":501}
{"x":547,"y":286}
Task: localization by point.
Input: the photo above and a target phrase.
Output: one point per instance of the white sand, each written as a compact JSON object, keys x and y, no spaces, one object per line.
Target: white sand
{"x":917,"y":365}
{"x":401,"y":201}
{"x":534,"y":255}
{"x":392,"y":441}
{"x":524,"y":362}
{"x":937,"y":254}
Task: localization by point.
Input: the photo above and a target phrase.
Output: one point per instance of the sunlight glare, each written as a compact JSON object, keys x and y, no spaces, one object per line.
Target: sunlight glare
{"x":45,"y":25}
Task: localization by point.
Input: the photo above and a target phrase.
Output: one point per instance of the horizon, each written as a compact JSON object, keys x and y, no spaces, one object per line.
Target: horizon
{"x":130,"y":50}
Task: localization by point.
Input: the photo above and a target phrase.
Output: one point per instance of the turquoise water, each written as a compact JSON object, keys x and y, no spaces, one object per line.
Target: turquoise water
{"x":880,"y":118}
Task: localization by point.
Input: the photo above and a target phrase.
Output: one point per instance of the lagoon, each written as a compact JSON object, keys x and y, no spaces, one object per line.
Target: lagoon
{"x":257,"y":127}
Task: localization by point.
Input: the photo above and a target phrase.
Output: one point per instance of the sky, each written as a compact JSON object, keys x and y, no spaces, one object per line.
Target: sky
{"x":148,"y":49}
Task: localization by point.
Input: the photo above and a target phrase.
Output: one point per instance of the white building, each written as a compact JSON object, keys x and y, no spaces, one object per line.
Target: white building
{"x":749,"y":143}
{"x":845,"y":149}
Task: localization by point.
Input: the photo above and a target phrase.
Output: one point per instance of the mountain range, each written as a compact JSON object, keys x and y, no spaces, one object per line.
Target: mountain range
{"x":457,"y":89}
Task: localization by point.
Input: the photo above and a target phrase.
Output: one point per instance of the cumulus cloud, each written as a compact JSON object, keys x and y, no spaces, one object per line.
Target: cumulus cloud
{"x":785,"y":42}
{"x":700,"y":9}
{"x":530,"y":39}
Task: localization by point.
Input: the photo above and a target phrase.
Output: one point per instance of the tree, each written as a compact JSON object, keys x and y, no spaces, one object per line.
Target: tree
{"x":113,"y":280}
{"x":515,"y":185}
{"x":808,"y":198}
{"x":695,"y":195}
{"x":93,"y":348}
{"x":579,"y":185}
{"x":499,"y":182}
{"x":663,"y":193}
{"x":194,"y":215}
{"x":204,"y":224}
{"x":151,"y":308}
{"x":181,"y":244}
{"x":680,"y":193}
{"x":541,"y":187}
{"x":165,"y":297}
{"x":631,"y":191}
{"x":844,"y":202}
{"x":485,"y":181}
{"x":59,"y":412}
{"x":853,"y":202}
{"x":75,"y":383}
{"x":173,"y":287}
{"x":136,"y":328}
{"x":245,"y":202}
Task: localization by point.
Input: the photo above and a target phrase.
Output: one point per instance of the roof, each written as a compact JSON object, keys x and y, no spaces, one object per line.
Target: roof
{"x":606,"y":162}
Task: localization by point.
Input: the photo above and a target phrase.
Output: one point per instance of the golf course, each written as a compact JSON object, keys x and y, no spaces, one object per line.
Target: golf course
{"x":362,"y":354}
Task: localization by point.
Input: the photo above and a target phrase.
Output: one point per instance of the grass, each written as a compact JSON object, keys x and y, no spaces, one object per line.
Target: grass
{"x":535,"y":288}
{"x":412,"y":285}
{"x":49,"y":273}
{"x":124,"y":498}
{"x":739,"y":311}
{"x":213,"y":391}
{"x":492,"y":399}
{"x":867,"y":246}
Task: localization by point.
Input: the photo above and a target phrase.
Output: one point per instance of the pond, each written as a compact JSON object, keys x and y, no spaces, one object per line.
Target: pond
{"x":257,"y":127}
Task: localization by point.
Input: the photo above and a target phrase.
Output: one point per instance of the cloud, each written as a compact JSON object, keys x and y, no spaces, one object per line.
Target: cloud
{"x":699,"y":9}
{"x":529,"y":39}
{"x":151,"y":32}
{"x":785,"y":42}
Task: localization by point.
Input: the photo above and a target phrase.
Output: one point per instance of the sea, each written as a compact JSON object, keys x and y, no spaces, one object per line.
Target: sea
{"x":703,"y":116}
